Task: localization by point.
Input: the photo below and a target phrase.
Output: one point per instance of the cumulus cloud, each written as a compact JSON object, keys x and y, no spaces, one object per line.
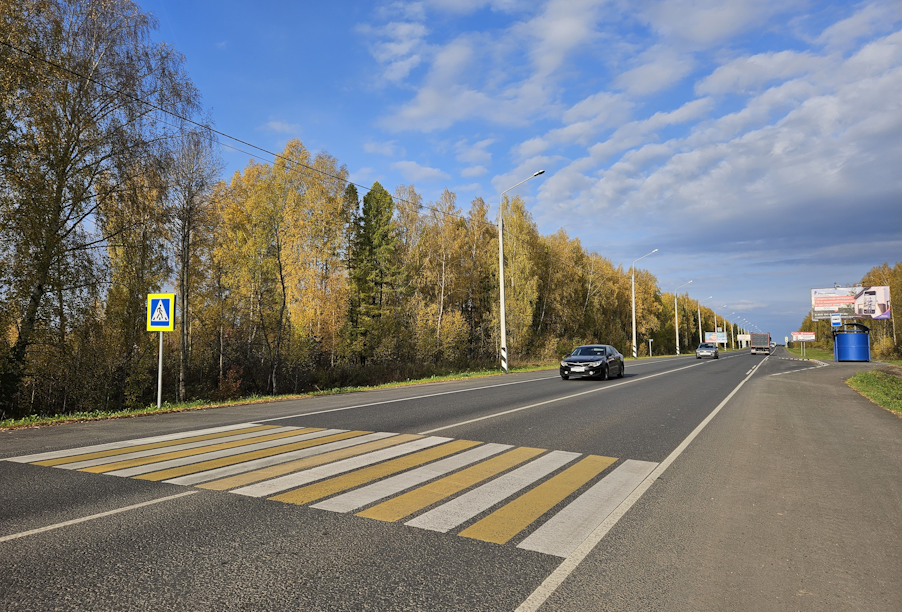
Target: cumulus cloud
{"x":473,"y":171}
{"x":415,"y":173}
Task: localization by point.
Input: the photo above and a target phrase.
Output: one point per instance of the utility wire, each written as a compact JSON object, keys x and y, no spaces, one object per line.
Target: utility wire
{"x":207,"y":128}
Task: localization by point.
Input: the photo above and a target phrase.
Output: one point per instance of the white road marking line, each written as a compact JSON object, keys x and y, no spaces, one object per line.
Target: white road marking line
{"x":169,"y":449}
{"x":567,"y":529}
{"x":557,"y":577}
{"x":291,"y":481}
{"x":557,"y":399}
{"x":459,"y":510}
{"x":385,"y":488}
{"x":405,"y":399}
{"x":264,"y":462}
{"x":94,"y":516}
{"x":181,"y":461}
{"x":115,"y":445}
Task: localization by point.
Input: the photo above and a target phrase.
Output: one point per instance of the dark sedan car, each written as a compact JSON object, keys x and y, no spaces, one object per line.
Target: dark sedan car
{"x":593,"y":361}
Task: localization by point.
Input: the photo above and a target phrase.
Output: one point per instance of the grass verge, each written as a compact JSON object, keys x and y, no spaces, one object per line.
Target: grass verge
{"x":99,"y":415}
{"x":880,"y":387}
{"x":812,"y":353}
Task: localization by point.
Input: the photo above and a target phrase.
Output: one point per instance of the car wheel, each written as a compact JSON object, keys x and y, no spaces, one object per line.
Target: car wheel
{"x":621,"y":370}
{"x":564,"y":377}
{"x":716,"y":356}
{"x":698,"y":356}
{"x":604,"y":373}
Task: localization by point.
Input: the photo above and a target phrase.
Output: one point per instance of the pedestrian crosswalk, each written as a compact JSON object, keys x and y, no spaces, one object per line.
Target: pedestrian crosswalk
{"x":543,"y":500}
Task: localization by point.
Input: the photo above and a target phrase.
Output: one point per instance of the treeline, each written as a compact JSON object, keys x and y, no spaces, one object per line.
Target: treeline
{"x":288,"y":279}
{"x":885,"y":340}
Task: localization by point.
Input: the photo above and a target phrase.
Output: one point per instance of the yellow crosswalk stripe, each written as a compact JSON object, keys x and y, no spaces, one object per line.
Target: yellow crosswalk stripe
{"x":302,"y":464}
{"x":511,"y":519}
{"x":141,"y":447}
{"x":118,"y":465}
{"x":203,"y":466}
{"x":404,"y":505}
{"x":337,"y":484}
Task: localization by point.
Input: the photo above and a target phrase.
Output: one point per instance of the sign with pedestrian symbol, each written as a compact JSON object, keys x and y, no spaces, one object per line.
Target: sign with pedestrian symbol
{"x":160,"y":311}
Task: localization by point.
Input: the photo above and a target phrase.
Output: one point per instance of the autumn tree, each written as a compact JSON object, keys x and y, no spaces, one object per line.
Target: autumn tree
{"x":193,"y":167}
{"x":81,"y":84}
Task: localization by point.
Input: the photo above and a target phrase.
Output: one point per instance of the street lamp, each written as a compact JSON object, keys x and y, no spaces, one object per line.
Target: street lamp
{"x":501,"y":269}
{"x":732,"y":341}
{"x":699,"y":306}
{"x":632,"y":267}
{"x":676,"y":321}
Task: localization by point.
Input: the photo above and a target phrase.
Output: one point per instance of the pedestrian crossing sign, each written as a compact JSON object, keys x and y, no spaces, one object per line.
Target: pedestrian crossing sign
{"x":160,"y":312}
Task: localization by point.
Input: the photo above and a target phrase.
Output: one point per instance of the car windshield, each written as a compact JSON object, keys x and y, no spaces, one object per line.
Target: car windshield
{"x":588,"y":351}
{"x":706,"y":345}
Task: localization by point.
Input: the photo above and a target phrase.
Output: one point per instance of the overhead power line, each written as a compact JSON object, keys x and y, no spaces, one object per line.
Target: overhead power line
{"x":207,"y":128}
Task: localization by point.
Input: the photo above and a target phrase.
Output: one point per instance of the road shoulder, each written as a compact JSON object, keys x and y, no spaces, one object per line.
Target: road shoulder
{"x":790,"y":499}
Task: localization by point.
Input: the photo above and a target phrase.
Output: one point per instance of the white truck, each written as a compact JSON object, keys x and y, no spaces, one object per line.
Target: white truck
{"x":760,"y":343}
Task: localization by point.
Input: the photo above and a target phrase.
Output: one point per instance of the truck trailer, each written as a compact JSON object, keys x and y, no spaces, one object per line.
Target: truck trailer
{"x":760,"y":343}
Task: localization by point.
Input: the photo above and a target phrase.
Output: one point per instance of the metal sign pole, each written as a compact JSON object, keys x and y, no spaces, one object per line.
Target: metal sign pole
{"x":160,"y":375}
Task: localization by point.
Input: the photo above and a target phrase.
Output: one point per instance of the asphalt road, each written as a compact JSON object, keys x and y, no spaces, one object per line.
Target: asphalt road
{"x":742,"y":483}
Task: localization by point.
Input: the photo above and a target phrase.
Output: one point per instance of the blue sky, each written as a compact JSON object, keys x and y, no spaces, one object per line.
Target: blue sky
{"x":757,"y":144}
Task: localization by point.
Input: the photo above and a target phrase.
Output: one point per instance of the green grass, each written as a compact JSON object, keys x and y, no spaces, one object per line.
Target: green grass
{"x":812,"y":353}
{"x":883,"y":389}
{"x":97,"y":415}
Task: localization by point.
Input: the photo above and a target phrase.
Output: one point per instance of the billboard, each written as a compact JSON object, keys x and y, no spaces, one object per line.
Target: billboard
{"x":716,"y":337}
{"x":802,"y":336}
{"x":850,"y":303}
{"x":744,"y":337}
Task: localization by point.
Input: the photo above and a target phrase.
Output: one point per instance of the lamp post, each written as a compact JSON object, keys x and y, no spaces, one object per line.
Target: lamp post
{"x":699,"y":306}
{"x":501,"y":269}
{"x":724,"y":320}
{"x":676,"y":320}
{"x":732,"y":343}
{"x":633,"y":268}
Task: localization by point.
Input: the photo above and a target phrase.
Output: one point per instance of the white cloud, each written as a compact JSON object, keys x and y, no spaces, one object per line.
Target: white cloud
{"x":281,"y":127}
{"x":603,"y":108}
{"x":662,"y":68}
{"x":414,"y":172}
{"x":752,"y":72}
{"x":473,"y":171}
{"x":873,"y":17}
{"x":705,"y":22}
{"x":475,"y":153}
{"x":389,"y":149}
{"x":399,"y":48}
{"x":468,"y":187}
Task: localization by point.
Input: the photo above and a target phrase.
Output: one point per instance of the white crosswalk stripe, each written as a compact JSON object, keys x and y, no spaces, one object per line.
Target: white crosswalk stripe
{"x":291,"y":481}
{"x":390,"y":486}
{"x":431,"y":482}
{"x":459,"y":510}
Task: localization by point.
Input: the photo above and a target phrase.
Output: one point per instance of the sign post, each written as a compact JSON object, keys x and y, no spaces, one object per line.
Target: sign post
{"x":160,"y":318}
{"x":802,"y":337}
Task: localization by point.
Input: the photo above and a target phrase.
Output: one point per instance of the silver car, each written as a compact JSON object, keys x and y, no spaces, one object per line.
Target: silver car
{"x":707,"y":349}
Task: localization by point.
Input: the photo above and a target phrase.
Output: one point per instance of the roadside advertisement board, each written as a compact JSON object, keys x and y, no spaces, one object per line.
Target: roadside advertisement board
{"x":716,"y":337}
{"x":744,"y":337}
{"x":850,"y":303}
{"x":803,"y":336}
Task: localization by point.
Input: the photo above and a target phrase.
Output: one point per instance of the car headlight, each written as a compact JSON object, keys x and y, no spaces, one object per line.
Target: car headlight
{"x":564,"y":364}
{"x":595,"y":364}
